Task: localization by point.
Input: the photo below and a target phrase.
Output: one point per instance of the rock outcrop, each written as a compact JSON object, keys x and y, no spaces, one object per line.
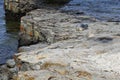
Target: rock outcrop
{"x":20,"y":6}
{"x":70,"y":47}
{"x":76,"y":47}
{"x":50,"y":26}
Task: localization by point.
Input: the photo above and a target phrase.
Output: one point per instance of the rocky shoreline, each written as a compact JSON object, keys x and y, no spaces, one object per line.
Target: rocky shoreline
{"x":81,"y":48}
{"x":69,"y":47}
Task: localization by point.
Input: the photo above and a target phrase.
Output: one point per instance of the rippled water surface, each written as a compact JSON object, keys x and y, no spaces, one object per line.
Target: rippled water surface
{"x":101,"y":9}
{"x":8,"y":36}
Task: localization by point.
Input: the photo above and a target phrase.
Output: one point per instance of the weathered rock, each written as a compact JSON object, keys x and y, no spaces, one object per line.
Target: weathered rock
{"x":81,"y":58}
{"x":10,"y":63}
{"x":50,"y":26}
{"x":24,"y":6}
{"x":75,"y":51}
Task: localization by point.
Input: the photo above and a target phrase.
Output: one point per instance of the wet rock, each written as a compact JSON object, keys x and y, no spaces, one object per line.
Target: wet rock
{"x":10,"y":63}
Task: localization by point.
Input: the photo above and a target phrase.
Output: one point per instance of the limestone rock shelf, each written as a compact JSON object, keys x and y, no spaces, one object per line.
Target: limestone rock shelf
{"x":50,"y":26}
{"x":72,"y":52}
{"x":70,"y":47}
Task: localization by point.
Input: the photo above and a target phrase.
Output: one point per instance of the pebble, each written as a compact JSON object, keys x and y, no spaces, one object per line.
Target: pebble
{"x":10,"y":63}
{"x":84,"y":26}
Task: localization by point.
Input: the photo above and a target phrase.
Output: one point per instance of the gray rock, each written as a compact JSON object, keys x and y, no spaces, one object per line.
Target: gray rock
{"x":3,"y":77}
{"x":3,"y":66}
{"x":10,"y":63}
{"x":13,"y":70}
{"x":82,"y":58}
{"x":36,"y":67}
{"x":84,"y":26}
{"x":42,"y":25}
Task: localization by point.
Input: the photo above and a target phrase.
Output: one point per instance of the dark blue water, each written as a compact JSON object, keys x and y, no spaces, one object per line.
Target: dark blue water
{"x":8,"y":37}
{"x":108,"y":10}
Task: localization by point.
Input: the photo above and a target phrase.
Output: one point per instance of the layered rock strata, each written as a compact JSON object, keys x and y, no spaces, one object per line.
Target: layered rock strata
{"x":76,"y":47}
{"x":50,"y":26}
{"x":70,"y":47}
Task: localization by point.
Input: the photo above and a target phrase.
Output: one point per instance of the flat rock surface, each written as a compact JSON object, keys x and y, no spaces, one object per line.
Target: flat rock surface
{"x":51,"y":26}
{"x":92,"y":54}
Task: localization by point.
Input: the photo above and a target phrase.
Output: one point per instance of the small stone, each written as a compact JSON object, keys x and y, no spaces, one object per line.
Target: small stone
{"x":10,"y":63}
{"x":84,"y":26}
{"x":14,"y":70}
{"x":81,"y":27}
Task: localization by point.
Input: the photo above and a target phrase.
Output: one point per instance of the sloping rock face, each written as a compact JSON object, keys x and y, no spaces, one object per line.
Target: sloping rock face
{"x":81,"y":49}
{"x":50,"y":26}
